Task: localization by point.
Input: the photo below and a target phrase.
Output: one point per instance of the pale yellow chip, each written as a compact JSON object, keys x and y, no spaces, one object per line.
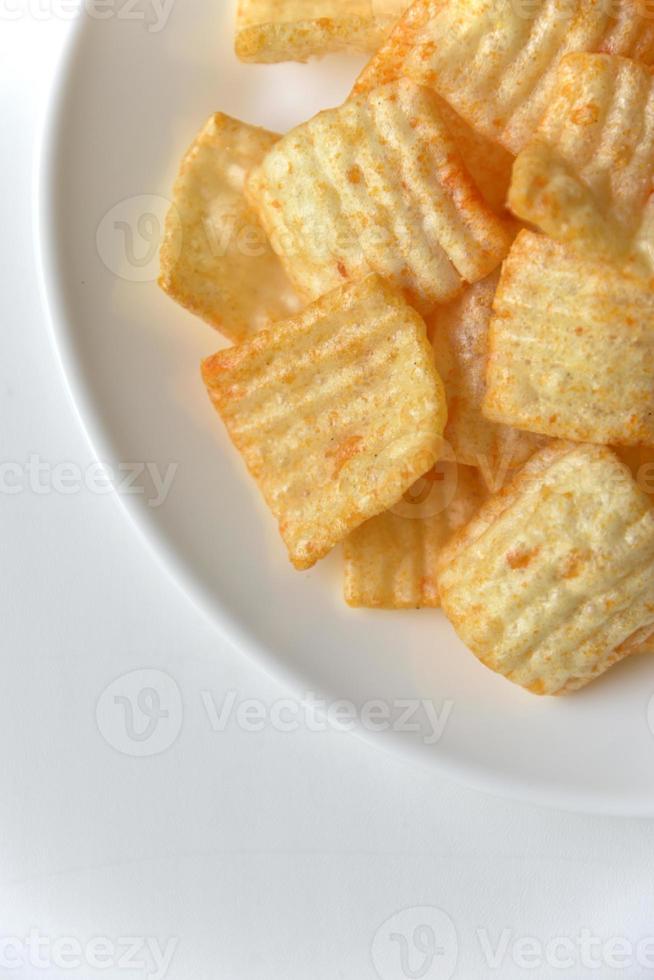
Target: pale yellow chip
{"x":215,"y":257}
{"x":459,"y":334}
{"x":378,"y":185}
{"x":390,"y":561}
{"x":586,"y":177}
{"x":270,"y":31}
{"x":337,"y":412}
{"x":552,"y":581}
{"x":571,"y":345}
{"x":495,"y":61}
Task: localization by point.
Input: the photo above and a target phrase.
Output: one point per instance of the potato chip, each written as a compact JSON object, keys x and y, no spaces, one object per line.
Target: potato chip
{"x":488,"y":163}
{"x":459,"y":334}
{"x":390,"y":561}
{"x":571,"y":344}
{"x":294,"y":30}
{"x":337,"y":412}
{"x":495,"y":62}
{"x":378,"y":185}
{"x":553,"y":581}
{"x":215,"y":257}
{"x":586,"y":177}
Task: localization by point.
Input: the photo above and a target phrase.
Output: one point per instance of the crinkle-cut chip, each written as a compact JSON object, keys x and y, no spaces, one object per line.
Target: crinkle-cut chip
{"x":390,"y":60}
{"x":488,"y":163}
{"x":495,"y":61}
{"x":378,"y":185}
{"x":215,"y":257}
{"x":459,"y":334}
{"x":336,"y":412}
{"x":390,"y":561}
{"x":571,"y":347}
{"x":586,"y":177}
{"x":552,"y":581}
{"x":270,"y":31}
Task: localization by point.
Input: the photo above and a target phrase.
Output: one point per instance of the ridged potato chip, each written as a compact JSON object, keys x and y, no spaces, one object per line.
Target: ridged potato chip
{"x":488,"y":163}
{"x":553,"y":581}
{"x":586,"y":177}
{"x":459,"y":333}
{"x":495,"y":61}
{"x":215,"y":257}
{"x":378,"y":185}
{"x":336,"y":412}
{"x":571,"y":347}
{"x":269,"y":31}
{"x":390,"y":561}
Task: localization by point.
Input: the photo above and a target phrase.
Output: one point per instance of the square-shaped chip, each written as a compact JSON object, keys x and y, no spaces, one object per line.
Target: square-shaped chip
{"x":378,"y":185}
{"x":571,"y":344}
{"x":553,"y":581}
{"x":336,"y":412}
{"x":495,"y":61}
{"x":391,"y":560}
{"x":586,"y":177}
{"x":215,"y":257}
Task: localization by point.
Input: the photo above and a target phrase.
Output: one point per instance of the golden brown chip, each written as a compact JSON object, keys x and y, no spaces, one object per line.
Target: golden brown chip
{"x":378,"y":185}
{"x":215,"y":257}
{"x":571,"y":347}
{"x":586,"y":177}
{"x":495,"y":62}
{"x":337,"y":412}
{"x":294,"y":30}
{"x":553,"y":581}
{"x":390,"y":561}
{"x":459,"y":334}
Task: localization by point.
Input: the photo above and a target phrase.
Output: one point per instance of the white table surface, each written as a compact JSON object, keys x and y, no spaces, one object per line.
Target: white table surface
{"x":244,"y":854}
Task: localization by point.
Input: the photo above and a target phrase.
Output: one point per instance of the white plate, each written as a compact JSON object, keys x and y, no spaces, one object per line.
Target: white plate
{"x":129,"y":101}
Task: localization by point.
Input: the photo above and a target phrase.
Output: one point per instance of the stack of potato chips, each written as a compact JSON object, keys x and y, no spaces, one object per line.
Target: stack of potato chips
{"x":441,"y":299}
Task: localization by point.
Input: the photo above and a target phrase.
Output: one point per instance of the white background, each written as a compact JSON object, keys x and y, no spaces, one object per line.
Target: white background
{"x":261,"y":854}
